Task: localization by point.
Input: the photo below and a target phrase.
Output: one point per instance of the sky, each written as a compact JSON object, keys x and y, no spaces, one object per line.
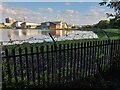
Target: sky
{"x":78,"y":13}
{"x":51,"y":0}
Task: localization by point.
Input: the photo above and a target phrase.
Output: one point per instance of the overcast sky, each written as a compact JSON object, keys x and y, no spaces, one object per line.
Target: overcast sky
{"x":78,"y":13}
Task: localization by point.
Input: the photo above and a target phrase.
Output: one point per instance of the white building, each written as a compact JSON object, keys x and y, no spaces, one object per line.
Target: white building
{"x":9,"y":21}
{"x":29,"y":25}
{"x":18,"y":24}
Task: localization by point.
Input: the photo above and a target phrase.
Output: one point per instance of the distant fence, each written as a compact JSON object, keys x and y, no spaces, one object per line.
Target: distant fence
{"x":56,"y":64}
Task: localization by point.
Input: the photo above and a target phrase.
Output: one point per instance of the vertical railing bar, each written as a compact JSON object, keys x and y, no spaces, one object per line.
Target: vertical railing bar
{"x":64,"y":62}
{"x":84,"y":60}
{"x":27,"y":66}
{"x":106,"y":44}
{"x":81,"y":61}
{"x":67,"y":71}
{"x":60,"y":56}
{"x":92,"y":61}
{"x":3,"y":76}
{"x":71,"y":63}
{"x":52,"y":64}
{"x":95,"y":57}
{"x":111,"y":54}
{"x":8,"y":66}
{"x":33,"y":72}
{"x":43,"y":65}
{"x":108,"y":53}
{"x":116,"y":53}
{"x":15,"y":67}
{"x":87,"y":61}
{"x":78,"y":61}
{"x":38,"y":65}
{"x":102,"y":59}
{"x":48,"y":72}
{"x":56,"y":62}
{"x":21,"y":64}
{"x":104,"y":55}
{"x":90,"y":58}
{"x":74,"y":63}
{"x":119,"y":51}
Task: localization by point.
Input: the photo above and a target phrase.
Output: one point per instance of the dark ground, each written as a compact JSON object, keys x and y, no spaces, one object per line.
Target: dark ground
{"x":110,"y":80}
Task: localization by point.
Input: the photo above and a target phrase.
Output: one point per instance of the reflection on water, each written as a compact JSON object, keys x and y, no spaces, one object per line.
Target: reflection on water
{"x":43,"y":35}
{"x":24,"y":34}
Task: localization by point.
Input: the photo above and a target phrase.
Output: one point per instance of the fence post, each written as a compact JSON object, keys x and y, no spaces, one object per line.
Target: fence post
{"x":64,"y":62}
{"x":27,"y":66}
{"x":15,"y":67}
{"x":74,"y":63}
{"x":71,"y":63}
{"x":52,"y":64}
{"x":33,"y":72}
{"x":67,"y":62}
{"x":78,"y":59}
{"x":38,"y":65}
{"x":8,"y":66}
{"x":43,"y":66}
{"x":21,"y":64}
{"x":60,"y":56}
{"x":48,"y":73}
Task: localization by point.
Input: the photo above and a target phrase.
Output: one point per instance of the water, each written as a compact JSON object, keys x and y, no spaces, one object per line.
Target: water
{"x":17,"y":36}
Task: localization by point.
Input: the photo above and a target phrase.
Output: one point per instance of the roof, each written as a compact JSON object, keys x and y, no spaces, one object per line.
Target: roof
{"x":56,"y":22}
{"x":30,"y":23}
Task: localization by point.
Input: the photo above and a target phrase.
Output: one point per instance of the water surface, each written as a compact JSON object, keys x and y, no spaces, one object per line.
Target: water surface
{"x":33,"y":36}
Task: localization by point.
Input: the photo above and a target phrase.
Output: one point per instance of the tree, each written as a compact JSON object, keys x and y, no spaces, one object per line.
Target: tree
{"x":103,"y":24}
{"x":114,"y":4}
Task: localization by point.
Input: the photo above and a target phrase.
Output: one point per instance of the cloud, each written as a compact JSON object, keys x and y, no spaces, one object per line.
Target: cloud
{"x":94,"y":11}
{"x":46,"y":9}
{"x":19,"y":13}
{"x":70,"y":11}
{"x":67,"y":3}
{"x":13,"y":11}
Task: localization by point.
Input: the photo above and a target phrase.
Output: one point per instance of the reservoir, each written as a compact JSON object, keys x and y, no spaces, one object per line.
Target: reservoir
{"x":18,"y":36}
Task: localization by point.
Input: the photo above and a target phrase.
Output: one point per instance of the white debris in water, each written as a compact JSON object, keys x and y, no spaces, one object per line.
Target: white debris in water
{"x":72,"y":35}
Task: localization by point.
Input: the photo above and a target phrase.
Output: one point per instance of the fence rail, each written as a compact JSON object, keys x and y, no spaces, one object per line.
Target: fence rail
{"x":58,"y":64}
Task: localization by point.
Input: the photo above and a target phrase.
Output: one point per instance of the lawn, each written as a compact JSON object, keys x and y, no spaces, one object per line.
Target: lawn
{"x":110,"y":80}
{"x":112,"y":33}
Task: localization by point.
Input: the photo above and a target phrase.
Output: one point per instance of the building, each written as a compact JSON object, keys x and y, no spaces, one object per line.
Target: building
{"x":9,"y":21}
{"x":53,"y":25}
{"x":64,"y":25}
{"x":69,"y":26}
{"x":18,"y":24}
{"x":58,"y":25}
{"x":29,"y":25}
{"x":2,"y":25}
{"x":44,"y":25}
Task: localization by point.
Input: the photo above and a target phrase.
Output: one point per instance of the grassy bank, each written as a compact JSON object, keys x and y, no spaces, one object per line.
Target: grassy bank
{"x":112,"y":33}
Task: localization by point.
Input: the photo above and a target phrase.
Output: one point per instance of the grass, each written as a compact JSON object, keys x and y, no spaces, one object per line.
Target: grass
{"x":112,"y":33}
{"x":110,"y":80}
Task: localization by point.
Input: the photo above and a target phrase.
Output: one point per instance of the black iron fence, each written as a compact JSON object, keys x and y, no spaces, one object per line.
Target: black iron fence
{"x":58,"y":64}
